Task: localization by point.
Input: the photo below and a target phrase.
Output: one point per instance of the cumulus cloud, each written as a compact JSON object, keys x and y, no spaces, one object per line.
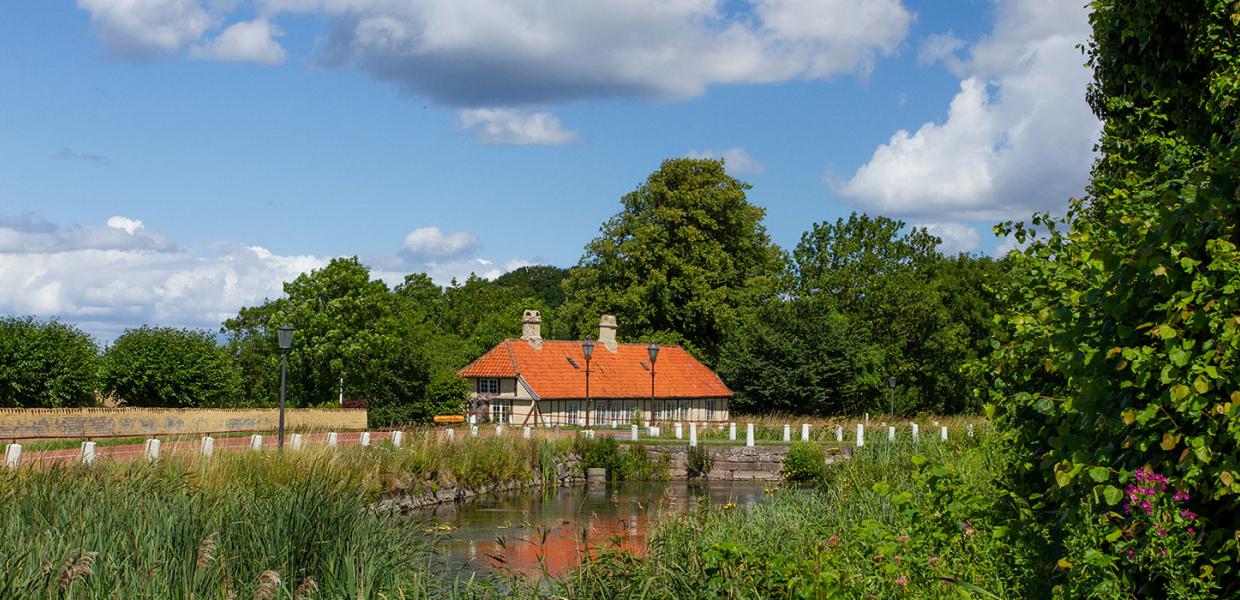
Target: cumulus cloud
{"x":486,"y":53}
{"x":110,"y":277}
{"x":957,"y":237}
{"x":737,"y":160}
{"x":1018,"y":136}
{"x":67,"y":153}
{"x":431,"y":243}
{"x":144,"y":29}
{"x":245,"y":41}
{"x":507,"y":126}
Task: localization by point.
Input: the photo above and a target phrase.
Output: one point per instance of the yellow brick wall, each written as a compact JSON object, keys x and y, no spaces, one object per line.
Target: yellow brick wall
{"x":100,"y":422}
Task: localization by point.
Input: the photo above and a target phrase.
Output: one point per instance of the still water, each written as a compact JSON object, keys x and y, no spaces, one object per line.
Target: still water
{"x":526,"y":532}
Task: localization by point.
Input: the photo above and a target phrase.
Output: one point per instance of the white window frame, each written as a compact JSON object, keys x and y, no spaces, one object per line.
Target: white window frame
{"x":570,"y":412}
{"x":501,"y":410}
{"x":487,"y":384}
{"x":710,"y":410}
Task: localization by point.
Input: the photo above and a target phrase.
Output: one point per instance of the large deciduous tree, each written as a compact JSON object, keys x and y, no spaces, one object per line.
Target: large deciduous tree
{"x":166,"y":367}
{"x":1123,"y":342}
{"x":46,"y":365}
{"x":683,"y":259}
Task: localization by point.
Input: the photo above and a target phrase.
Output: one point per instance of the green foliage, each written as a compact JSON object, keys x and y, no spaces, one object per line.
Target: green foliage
{"x":686,"y":255}
{"x":805,"y":461}
{"x":46,"y":365}
{"x":1121,"y":349}
{"x":176,"y":368}
{"x":629,"y":462}
{"x":698,"y":462}
{"x":865,"y":302}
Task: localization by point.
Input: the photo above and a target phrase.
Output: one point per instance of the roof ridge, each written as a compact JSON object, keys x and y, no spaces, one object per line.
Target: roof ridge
{"x":641,"y":344}
{"x":512,"y":357}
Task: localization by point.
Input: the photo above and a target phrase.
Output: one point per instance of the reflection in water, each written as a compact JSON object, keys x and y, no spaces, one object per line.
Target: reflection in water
{"x":528,"y":531}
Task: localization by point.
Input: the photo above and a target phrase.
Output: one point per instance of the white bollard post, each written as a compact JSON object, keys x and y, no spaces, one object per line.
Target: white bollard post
{"x":499,"y":431}
{"x":451,"y":433}
{"x":613,"y":423}
{"x":256,"y":442}
{"x":787,"y":432}
{"x":298,"y":441}
{"x":804,"y":432}
{"x":731,"y":432}
{"x":332,"y":438}
{"x":969,"y":429}
{"x":943,"y":433}
{"x":12,"y":456}
{"x":749,"y":434}
{"x":658,"y":431}
{"x":473,"y":419}
{"x":652,"y":431}
{"x":398,"y":439}
{"x":364,"y":439}
{"x":916,"y":431}
{"x":88,"y":453}
{"x":867,"y":418}
{"x":891,"y":433}
{"x":839,"y":433}
{"x":680,"y":431}
{"x":473,"y":431}
{"x":208,"y":446}
{"x":151,"y":450}
{"x":860,"y":435}
{"x":692,"y":434}
{"x":633,"y":432}
{"x":527,"y":432}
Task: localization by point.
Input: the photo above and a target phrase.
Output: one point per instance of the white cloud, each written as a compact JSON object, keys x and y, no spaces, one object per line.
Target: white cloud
{"x":1018,"y":136}
{"x":507,"y":126}
{"x":486,"y":53}
{"x":108,"y":278}
{"x":430,"y":243}
{"x":143,"y":29}
{"x":957,"y":237}
{"x":737,"y":160}
{"x":125,"y":224}
{"x":941,"y":47}
{"x":245,"y":41}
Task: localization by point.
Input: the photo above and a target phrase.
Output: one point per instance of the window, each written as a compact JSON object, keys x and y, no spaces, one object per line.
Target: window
{"x":658,"y":412}
{"x":684,"y":412}
{"x":488,"y":386}
{"x":710,"y":410}
{"x":570,"y":411}
{"x":500,"y":410}
{"x":617,"y":414}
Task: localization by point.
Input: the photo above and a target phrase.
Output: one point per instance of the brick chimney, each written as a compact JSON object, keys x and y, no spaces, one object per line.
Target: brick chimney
{"x":607,"y":332}
{"x":531,"y":328}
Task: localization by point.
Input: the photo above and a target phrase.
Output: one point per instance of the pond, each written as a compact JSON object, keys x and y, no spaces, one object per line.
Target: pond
{"x":527,"y":532}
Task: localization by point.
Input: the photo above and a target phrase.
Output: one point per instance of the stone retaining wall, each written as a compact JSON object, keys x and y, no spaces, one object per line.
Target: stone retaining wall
{"x":103,"y":422}
{"x":761,"y":463}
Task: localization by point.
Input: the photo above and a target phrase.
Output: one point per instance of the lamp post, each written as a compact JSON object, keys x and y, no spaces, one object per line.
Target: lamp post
{"x":587,"y":348}
{"x":891,"y":396}
{"x":653,"y":350}
{"x":284,"y":336}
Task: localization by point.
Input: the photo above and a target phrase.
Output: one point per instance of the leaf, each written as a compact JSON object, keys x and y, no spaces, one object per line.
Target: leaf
{"x":1201,"y":385}
{"x":1226,"y":478}
{"x":1099,"y":474}
{"x":1179,"y":392}
{"x":1063,"y":478}
{"x":1169,"y":441}
{"x":1112,"y":494}
{"x":1064,"y":564}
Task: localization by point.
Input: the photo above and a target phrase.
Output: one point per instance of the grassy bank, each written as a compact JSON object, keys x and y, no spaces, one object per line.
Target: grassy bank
{"x":245,"y":525}
{"x":897,"y":521}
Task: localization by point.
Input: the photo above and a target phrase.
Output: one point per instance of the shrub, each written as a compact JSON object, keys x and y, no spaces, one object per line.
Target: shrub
{"x":805,"y":461}
{"x":699,"y":462}
{"x":46,"y":364}
{"x":171,"y":368}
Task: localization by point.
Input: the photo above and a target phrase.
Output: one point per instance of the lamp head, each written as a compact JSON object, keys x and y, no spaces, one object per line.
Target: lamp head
{"x":653,"y":350}
{"x":587,"y":348}
{"x":284,"y":336}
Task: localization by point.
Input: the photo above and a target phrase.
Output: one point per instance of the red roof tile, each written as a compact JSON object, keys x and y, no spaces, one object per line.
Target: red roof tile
{"x":619,"y":374}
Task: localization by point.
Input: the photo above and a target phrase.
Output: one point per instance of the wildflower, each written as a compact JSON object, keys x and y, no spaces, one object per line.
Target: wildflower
{"x":896,"y":558}
{"x":878,"y":558}
{"x":934,"y":560}
{"x":1190,"y":529}
{"x":1180,"y":496}
{"x":901,"y":581}
{"x":902,"y":539}
{"x":1162,"y":532}
{"x":1163,"y":551}
{"x":833,"y":540}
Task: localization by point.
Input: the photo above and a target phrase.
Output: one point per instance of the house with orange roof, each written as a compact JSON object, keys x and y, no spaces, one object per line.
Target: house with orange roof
{"x":532,"y":381}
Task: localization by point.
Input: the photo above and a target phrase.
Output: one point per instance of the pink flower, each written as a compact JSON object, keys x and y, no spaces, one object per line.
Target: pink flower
{"x":902,"y":539}
{"x":833,"y":540}
{"x":1190,"y":530}
{"x":901,"y":581}
{"x":934,"y":560}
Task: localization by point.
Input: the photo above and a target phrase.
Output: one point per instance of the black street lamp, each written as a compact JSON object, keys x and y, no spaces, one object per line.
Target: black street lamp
{"x":284,"y":337}
{"x":653,"y":350}
{"x":587,"y":348}
{"x":891,"y":397}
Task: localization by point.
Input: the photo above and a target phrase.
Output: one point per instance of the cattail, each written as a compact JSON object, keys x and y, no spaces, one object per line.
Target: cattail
{"x":308,"y":588}
{"x":76,"y":569}
{"x":206,"y":552}
{"x":267,"y":584}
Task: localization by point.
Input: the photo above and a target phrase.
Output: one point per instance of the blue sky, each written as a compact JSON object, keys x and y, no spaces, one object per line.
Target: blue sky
{"x":168,"y":161}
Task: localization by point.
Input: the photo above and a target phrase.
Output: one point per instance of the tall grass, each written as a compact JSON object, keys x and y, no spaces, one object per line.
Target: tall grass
{"x":300,"y":524}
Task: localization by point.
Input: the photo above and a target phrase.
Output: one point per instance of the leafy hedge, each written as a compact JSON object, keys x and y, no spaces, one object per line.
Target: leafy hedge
{"x":46,"y":364}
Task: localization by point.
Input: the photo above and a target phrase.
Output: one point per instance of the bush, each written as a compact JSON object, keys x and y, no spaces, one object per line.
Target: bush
{"x":699,"y":462}
{"x":170,"y":368}
{"x":805,"y":461}
{"x":46,"y":364}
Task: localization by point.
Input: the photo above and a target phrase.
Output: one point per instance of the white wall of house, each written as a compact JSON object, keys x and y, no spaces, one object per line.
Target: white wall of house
{"x":516,"y":402}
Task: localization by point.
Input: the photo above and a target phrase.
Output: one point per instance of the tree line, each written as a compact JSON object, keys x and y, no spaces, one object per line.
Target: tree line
{"x":823,"y":329}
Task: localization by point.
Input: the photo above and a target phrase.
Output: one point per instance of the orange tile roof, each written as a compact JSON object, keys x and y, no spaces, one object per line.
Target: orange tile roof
{"x":619,"y":374}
